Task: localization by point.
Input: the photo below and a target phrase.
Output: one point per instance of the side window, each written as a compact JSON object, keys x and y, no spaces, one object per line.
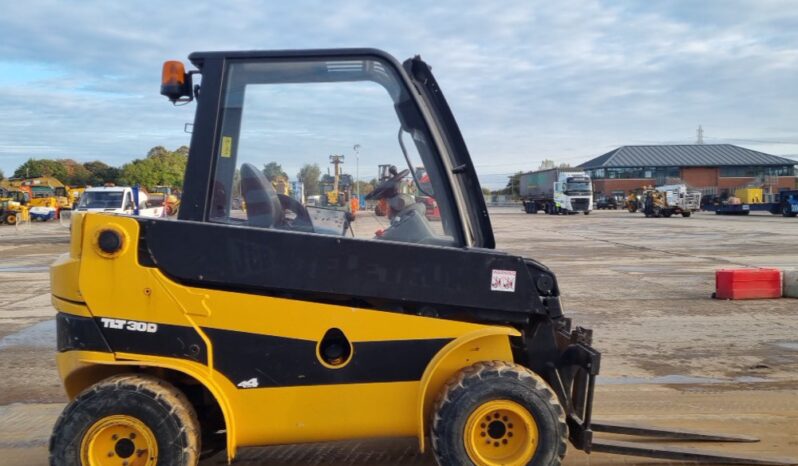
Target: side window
{"x":333,"y":148}
{"x":128,"y":205}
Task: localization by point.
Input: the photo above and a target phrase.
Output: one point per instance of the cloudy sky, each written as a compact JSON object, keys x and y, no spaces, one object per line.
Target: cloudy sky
{"x":566,"y":80}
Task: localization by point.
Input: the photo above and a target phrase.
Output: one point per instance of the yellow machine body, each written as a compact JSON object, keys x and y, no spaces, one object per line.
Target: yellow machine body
{"x":749,"y":195}
{"x":88,"y":282}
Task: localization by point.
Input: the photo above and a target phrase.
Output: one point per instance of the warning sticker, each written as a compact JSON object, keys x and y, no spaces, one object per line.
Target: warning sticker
{"x":503,"y":280}
{"x":227,"y":146}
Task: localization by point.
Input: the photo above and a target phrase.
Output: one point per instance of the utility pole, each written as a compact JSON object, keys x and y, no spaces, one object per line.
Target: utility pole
{"x":357,"y":170}
{"x":699,"y":135}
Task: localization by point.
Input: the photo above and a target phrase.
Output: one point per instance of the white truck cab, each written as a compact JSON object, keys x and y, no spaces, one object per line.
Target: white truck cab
{"x":117,"y":199}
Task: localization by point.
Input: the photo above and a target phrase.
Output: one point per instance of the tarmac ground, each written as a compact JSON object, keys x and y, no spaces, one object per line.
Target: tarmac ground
{"x":671,"y":355}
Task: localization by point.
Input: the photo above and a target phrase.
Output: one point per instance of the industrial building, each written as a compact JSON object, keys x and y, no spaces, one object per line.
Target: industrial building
{"x":712,"y":168}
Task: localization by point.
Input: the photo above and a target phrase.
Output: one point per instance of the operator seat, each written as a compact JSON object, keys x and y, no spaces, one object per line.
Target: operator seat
{"x":263,"y":205}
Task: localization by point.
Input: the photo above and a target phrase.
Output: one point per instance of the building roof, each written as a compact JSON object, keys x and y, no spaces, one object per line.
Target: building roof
{"x":687,"y":155}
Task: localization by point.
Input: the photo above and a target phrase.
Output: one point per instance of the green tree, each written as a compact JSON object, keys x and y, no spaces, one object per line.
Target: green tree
{"x":33,"y":168}
{"x":272,"y":170}
{"x":309,"y":175}
{"x":101,"y":173}
{"x":161,"y":167}
{"x":157,"y":151}
{"x":76,"y":174}
{"x":2,"y":175}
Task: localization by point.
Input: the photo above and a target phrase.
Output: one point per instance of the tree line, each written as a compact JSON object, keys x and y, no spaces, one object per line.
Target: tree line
{"x":159,"y":167}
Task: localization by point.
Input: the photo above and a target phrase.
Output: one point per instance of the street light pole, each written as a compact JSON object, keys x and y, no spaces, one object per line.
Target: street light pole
{"x":356,"y":148}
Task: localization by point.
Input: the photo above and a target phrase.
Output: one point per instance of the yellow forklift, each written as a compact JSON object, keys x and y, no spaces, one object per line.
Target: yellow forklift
{"x":214,"y":331}
{"x":13,"y":206}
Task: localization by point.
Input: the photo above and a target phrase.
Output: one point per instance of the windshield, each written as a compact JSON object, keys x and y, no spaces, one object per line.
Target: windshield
{"x":101,"y":200}
{"x":322,"y":135}
{"x":578,"y":185}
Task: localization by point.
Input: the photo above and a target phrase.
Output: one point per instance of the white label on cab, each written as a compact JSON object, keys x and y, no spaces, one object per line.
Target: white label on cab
{"x":503,"y":280}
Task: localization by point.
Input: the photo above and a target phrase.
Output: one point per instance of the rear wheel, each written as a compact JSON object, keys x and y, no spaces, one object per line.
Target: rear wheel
{"x":787,"y":211}
{"x":498,"y":413}
{"x":686,"y":214}
{"x":133,"y":420}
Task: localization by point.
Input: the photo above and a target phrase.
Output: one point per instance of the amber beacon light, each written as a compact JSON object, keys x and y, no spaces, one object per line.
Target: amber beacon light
{"x":175,"y":82}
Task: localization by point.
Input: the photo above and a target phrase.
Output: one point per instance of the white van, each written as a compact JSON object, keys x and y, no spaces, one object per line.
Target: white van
{"x":116,"y":199}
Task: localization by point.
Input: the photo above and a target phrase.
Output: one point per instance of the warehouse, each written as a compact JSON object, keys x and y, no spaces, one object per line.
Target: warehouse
{"x":712,"y":168}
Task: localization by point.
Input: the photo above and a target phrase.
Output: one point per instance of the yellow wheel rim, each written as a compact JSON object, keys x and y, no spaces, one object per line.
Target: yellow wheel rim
{"x":119,"y":440}
{"x":501,"y":432}
{"x":12,"y":219}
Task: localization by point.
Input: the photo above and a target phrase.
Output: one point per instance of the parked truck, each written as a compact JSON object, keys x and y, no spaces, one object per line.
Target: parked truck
{"x":786,"y":204}
{"x":556,"y":191}
{"x":666,"y":201}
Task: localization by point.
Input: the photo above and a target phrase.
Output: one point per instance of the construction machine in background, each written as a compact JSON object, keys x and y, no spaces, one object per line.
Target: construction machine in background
{"x":45,"y":204}
{"x":166,"y":197}
{"x":336,"y":189}
{"x":180,"y":337}
{"x":633,"y":202}
{"x":666,"y":201}
{"x":13,"y":206}
{"x":556,"y":191}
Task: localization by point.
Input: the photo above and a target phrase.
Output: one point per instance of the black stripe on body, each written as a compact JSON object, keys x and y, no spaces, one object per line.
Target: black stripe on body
{"x":284,"y":362}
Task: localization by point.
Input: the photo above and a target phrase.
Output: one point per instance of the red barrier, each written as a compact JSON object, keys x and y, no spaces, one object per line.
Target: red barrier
{"x":747,"y":283}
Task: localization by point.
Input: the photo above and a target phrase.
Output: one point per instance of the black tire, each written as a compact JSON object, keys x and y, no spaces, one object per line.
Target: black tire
{"x":161,"y":407}
{"x":587,"y":212}
{"x":495,"y":381}
{"x":10,"y":218}
{"x":786,"y":211}
{"x":686,"y":214}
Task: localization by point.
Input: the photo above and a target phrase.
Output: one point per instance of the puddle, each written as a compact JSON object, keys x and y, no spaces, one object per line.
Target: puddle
{"x":41,"y":335}
{"x":25,"y":268}
{"x":790,"y":345}
{"x":675,"y":380}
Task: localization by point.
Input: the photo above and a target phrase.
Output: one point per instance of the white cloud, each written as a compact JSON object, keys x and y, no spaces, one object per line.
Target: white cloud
{"x":526,"y":80}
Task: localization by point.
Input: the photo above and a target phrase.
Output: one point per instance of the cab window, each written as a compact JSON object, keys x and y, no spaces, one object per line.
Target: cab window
{"x":329,"y":147}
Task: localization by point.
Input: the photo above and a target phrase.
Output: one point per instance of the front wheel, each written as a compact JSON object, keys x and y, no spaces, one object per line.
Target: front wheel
{"x":498,"y":413}
{"x":128,"y":420}
{"x":787,"y":211}
{"x":10,"y":218}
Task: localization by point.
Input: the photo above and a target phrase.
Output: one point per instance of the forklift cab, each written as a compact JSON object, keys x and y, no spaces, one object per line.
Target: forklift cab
{"x":296,"y":108}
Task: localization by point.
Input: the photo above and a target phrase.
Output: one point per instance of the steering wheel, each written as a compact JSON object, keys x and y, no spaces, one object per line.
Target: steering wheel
{"x":263,"y":205}
{"x":387,"y":188}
